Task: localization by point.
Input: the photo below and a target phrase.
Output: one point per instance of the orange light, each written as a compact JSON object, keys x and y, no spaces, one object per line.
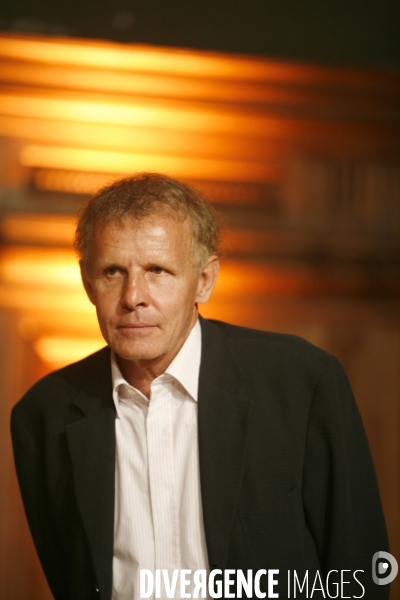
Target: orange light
{"x":39,"y":229}
{"x":124,"y":138}
{"x":125,"y":163}
{"x":45,"y":280}
{"x":152,"y":114}
{"x":57,"y":352}
{"x":40,"y":267}
{"x":71,"y":181}
{"x":148,"y":59}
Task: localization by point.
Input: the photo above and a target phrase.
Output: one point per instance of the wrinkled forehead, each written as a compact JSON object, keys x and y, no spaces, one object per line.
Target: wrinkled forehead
{"x":162,"y":234}
{"x":168,"y":221}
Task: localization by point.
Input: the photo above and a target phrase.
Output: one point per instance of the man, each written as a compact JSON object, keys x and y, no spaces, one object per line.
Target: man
{"x":190,"y":444}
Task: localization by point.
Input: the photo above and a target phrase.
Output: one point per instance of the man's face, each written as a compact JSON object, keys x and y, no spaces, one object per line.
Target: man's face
{"x":142,"y":281}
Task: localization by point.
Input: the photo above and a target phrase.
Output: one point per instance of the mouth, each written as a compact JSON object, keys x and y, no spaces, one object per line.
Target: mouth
{"x":136,"y":327}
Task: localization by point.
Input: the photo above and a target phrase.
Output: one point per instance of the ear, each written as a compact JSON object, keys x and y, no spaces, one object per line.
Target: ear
{"x":207,"y":279}
{"x":86,"y":284}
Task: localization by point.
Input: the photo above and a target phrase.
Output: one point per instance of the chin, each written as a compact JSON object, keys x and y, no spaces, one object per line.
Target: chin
{"x":135,"y":352}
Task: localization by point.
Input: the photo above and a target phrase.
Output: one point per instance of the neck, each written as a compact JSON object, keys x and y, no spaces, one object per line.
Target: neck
{"x":140,"y":373}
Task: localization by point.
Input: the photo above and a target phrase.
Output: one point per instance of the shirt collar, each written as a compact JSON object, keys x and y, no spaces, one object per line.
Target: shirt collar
{"x":185,"y":367}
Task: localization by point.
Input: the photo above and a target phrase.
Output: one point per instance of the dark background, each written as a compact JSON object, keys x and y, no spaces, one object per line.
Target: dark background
{"x":341,"y":32}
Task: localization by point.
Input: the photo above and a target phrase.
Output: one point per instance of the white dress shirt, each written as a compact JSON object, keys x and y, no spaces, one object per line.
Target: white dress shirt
{"x":158,"y":512}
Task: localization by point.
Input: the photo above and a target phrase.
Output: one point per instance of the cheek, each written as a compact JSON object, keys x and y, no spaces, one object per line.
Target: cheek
{"x":179,"y":306}
{"x":174,"y":296}
{"x":106,"y":304}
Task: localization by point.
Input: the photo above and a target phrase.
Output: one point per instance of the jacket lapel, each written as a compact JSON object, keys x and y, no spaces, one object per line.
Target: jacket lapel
{"x":91,"y":442}
{"x":224,"y":413}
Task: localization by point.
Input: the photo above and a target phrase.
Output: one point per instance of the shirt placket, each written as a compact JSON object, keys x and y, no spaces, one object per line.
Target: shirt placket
{"x":162,"y":478}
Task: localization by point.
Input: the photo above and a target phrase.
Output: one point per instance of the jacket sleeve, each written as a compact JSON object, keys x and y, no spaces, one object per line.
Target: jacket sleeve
{"x":30,"y":471}
{"x":340,"y":492}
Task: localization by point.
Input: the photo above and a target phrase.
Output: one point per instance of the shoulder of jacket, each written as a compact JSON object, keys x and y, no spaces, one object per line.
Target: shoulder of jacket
{"x":65,"y":383}
{"x":275,"y":341}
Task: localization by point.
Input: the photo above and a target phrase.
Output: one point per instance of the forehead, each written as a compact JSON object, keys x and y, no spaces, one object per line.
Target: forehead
{"x":151,"y":230}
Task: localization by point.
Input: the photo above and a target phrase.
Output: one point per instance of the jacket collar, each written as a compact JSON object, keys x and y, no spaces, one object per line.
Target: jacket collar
{"x":223,"y":419}
{"x":91,"y":442}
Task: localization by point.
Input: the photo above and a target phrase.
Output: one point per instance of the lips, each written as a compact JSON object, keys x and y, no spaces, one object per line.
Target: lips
{"x":136,"y":326}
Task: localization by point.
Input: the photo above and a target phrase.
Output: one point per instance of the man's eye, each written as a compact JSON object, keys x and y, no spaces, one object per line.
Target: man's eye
{"x":157,"y":270}
{"x":111,"y":271}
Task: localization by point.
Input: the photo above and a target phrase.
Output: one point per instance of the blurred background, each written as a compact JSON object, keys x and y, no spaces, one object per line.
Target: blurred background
{"x":286,"y":114}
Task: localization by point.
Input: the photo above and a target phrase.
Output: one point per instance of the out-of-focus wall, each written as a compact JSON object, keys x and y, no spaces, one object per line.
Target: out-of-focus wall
{"x":303,"y":162}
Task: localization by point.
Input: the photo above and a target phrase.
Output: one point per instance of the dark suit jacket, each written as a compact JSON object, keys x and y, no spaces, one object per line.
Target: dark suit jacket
{"x":286,"y":476}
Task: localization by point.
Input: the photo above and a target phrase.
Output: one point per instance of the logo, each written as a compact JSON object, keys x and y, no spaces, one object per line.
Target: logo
{"x":384,"y":568}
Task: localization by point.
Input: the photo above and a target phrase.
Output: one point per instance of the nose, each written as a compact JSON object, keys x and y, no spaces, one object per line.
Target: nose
{"x":134,"y":293}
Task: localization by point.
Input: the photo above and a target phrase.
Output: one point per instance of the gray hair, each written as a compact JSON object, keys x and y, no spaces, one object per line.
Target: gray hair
{"x":146,"y":194}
